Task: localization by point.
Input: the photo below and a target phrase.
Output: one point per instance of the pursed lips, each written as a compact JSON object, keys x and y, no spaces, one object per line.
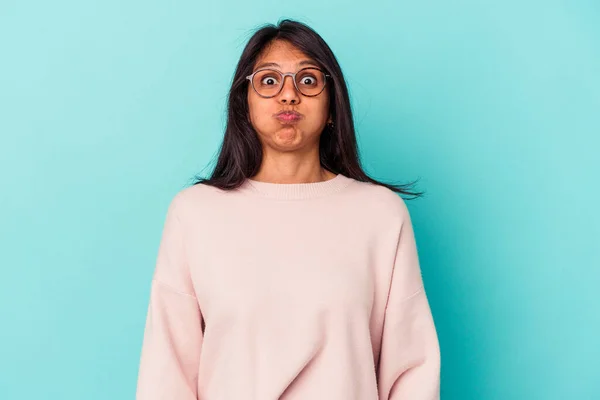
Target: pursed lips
{"x":288,"y":116}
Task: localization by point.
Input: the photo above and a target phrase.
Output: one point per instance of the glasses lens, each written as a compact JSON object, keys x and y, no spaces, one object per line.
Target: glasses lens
{"x":267,"y":82}
{"x":310,"y":81}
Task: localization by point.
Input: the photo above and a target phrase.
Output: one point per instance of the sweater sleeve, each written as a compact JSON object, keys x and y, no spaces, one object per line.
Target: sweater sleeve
{"x":409,"y":362}
{"x":173,"y":332}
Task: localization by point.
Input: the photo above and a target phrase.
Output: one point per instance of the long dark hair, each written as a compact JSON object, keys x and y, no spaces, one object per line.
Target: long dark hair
{"x":240,"y":154}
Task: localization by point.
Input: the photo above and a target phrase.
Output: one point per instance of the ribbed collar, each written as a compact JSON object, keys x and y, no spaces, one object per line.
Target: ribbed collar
{"x":295,"y":191}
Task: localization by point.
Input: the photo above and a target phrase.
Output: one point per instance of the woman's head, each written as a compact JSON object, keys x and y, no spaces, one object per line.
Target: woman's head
{"x":271,"y":93}
{"x":326,"y":117}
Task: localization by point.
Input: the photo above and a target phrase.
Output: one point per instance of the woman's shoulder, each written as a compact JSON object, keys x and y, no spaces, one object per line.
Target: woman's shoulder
{"x":194,"y":198}
{"x":379,"y":199}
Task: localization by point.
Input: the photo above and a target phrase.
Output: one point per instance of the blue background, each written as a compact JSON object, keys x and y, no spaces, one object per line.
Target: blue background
{"x":108,"y":108}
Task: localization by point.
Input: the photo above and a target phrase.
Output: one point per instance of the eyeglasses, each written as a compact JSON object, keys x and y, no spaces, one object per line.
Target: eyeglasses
{"x":269,"y":82}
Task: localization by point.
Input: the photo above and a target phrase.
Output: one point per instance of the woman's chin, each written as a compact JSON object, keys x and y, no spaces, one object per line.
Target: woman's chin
{"x":287,"y":137}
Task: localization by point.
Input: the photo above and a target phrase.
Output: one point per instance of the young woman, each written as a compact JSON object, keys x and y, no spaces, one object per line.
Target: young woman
{"x":289,"y":273}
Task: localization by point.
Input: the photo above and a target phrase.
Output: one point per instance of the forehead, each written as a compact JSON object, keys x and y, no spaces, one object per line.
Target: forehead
{"x":284,"y":55}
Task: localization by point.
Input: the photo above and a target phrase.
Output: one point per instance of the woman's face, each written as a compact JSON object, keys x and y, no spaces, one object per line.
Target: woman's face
{"x":284,"y":134}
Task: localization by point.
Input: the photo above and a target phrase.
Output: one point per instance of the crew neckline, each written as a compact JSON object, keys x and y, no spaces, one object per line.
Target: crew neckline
{"x":295,"y":191}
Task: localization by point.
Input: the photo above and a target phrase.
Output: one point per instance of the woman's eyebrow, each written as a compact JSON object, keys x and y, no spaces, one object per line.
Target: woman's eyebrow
{"x":273,"y":64}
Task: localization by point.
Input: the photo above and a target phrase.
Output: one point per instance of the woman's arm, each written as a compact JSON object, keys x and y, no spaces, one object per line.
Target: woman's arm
{"x":409,"y":362}
{"x":173,"y":332}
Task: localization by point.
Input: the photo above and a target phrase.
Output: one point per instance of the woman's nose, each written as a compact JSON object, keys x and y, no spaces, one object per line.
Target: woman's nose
{"x":288,"y":93}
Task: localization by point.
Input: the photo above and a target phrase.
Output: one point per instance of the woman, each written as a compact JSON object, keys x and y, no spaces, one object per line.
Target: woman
{"x":289,"y":274}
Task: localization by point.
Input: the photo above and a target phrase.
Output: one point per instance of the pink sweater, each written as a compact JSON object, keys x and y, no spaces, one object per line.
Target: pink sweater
{"x":309,"y":291}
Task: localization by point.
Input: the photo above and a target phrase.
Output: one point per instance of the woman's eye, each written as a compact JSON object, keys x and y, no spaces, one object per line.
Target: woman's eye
{"x":268,"y":80}
{"x":308,"y":80}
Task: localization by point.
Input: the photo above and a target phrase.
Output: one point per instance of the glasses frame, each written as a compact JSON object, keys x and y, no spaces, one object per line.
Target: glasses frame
{"x":283,"y":75}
